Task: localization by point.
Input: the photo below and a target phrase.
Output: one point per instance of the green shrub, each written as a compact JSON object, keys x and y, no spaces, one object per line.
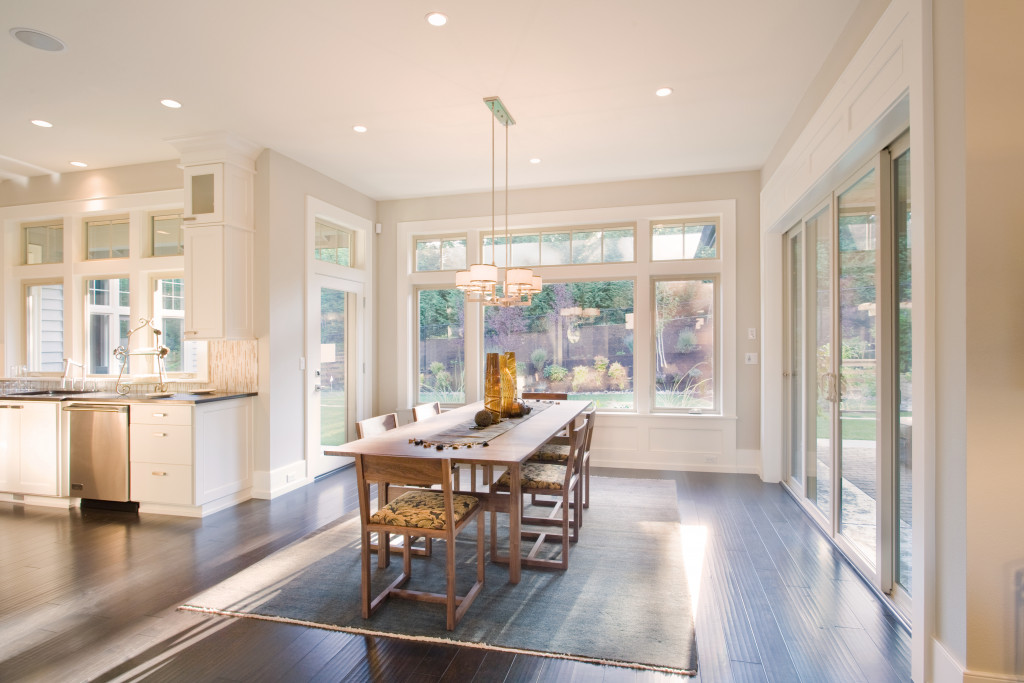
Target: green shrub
{"x":600,"y":363}
{"x":686,"y":341}
{"x":539,"y":357}
{"x":580,"y":377}
{"x":556,"y":373}
{"x":618,"y":377}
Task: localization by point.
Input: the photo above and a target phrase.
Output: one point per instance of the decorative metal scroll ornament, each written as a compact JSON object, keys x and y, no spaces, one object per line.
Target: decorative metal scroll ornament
{"x":122,"y":353}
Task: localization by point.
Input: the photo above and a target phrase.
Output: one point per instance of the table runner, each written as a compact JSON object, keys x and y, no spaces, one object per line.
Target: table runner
{"x":468,"y":432}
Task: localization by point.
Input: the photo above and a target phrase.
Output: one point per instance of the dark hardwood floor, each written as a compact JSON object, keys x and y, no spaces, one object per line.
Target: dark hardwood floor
{"x":91,"y":595}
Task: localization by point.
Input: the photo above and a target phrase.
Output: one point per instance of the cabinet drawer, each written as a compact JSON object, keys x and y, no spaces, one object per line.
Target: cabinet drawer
{"x":167,"y":443}
{"x":159,"y":483}
{"x":151,"y":414}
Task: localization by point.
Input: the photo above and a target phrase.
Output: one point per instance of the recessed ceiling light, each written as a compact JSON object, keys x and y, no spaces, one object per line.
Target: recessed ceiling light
{"x":359,"y":129}
{"x":38,"y":39}
{"x":79,"y":164}
{"x":42,"y":124}
{"x":171,"y":104}
{"x":437,"y":19}
{"x":535,"y":160}
{"x":663,"y":92}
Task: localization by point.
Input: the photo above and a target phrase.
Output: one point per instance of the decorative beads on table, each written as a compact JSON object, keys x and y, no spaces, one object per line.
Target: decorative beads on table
{"x":441,"y":446}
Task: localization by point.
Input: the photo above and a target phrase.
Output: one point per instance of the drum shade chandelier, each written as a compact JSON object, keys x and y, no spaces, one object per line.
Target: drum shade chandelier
{"x":480,"y":282}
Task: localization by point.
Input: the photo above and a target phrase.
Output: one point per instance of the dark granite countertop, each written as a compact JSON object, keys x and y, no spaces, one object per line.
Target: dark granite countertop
{"x":182,"y":398}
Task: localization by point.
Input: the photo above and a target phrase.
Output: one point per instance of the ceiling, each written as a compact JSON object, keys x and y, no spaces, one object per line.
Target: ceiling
{"x":578,"y":76}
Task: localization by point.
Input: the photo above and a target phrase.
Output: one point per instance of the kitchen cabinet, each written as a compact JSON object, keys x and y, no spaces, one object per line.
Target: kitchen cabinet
{"x":218,"y":193}
{"x":191,"y":460}
{"x":218,"y":282}
{"x":30,"y":457}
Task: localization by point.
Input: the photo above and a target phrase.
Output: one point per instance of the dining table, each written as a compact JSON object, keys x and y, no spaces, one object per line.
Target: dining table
{"x":454,"y":434}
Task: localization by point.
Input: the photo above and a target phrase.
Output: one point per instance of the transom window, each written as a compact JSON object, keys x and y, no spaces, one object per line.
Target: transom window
{"x":332,"y":243}
{"x":44,"y":242}
{"x":166,"y":234}
{"x":106,"y":238}
{"x":563,"y":247}
{"x":684,"y":240}
{"x":440,"y":253}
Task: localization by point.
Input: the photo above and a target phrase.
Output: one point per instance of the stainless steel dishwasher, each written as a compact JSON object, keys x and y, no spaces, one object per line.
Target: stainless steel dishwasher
{"x":98,"y":450}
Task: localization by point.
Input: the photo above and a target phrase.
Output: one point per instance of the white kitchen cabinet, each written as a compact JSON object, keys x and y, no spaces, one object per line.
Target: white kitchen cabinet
{"x":191,"y":460}
{"x":29,"y":447}
{"x":218,"y":193}
{"x":218,"y":282}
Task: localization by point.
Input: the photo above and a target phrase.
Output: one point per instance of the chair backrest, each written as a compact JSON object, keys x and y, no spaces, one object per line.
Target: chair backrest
{"x":425,"y":411}
{"x":544,"y":396}
{"x":591,"y":418}
{"x":577,"y":439}
{"x":372,"y":426}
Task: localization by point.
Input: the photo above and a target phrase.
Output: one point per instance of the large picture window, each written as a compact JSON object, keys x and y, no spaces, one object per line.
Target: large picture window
{"x":44,"y":323}
{"x":441,"y":347}
{"x":684,"y":341}
{"x":108,"y":318}
{"x":576,"y":337}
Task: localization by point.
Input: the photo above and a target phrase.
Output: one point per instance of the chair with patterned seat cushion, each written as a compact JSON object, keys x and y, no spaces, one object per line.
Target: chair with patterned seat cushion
{"x":373,"y":426}
{"x":557,"y":451}
{"x":431,"y":513}
{"x":549,"y":479}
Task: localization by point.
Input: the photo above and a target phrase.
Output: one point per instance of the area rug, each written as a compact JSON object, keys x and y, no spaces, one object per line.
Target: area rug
{"x":623,"y":601}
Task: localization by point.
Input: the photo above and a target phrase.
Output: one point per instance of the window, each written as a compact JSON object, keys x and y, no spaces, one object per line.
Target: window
{"x":587,"y":245}
{"x":684,"y":344}
{"x":166,"y":234}
{"x":44,"y":333}
{"x":441,"y":253}
{"x":44,"y":243}
{"x":576,"y":337}
{"x":332,"y":244}
{"x":169,"y":317}
{"x":441,"y":351}
{"x":683,"y":240}
{"x":108,"y":318}
{"x":106,"y":238}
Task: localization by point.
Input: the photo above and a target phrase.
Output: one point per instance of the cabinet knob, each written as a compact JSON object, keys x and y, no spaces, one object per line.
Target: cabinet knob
{"x":159,"y":474}
{"x":161,"y":434}
{"x":188,"y":218}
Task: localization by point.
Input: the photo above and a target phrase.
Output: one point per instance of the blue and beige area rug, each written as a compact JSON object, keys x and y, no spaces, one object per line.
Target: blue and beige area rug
{"x":624,"y":600}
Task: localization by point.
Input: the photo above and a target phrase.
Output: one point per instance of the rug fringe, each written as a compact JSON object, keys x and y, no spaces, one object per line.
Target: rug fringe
{"x":432,"y":639}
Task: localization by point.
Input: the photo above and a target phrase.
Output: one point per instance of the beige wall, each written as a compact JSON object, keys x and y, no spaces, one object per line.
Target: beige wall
{"x":107,"y":182}
{"x":282,"y":186}
{"x":994,"y":324}
{"x":743,"y":187}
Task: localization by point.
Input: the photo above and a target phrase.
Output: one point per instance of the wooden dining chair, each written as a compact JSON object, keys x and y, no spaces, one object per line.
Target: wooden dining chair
{"x":556,"y":451}
{"x":374,"y":426}
{"x":425,"y":411}
{"x":550,"y":479}
{"x":430,"y":512}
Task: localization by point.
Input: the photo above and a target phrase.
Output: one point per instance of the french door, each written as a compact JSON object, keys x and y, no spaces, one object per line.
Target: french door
{"x":332,"y":387}
{"x":848,"y":367}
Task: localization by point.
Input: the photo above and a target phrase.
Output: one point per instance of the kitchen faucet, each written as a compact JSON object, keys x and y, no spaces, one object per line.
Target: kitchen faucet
{"x":67,"y":374}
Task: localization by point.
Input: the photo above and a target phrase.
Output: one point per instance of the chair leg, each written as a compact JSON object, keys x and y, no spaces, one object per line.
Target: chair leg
{"x":451,"y":598}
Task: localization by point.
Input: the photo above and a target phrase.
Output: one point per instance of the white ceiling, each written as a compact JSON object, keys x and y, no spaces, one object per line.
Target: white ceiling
{"x":578,"y":76}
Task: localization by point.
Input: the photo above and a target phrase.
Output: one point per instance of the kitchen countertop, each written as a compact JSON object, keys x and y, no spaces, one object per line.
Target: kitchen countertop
{"x":182,"y":398}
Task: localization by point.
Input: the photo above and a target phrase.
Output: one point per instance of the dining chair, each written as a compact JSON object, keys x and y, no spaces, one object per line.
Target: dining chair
{"x":425,"y":411}
{"x":550,"y":479}
{"x":374,"y":426}
{"x":556,"y":450}
{"x":430,"y":512}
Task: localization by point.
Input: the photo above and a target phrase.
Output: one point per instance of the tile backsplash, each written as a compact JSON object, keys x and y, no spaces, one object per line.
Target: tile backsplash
{"x":233,"y":365}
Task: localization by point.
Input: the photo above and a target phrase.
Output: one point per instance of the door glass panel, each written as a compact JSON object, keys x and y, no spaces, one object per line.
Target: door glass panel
{"x":819,"y":472}
{"x":858,"y":264}
{"x":333,"y":379}
{"x":795,"y":382}
{"x":904,"y":364}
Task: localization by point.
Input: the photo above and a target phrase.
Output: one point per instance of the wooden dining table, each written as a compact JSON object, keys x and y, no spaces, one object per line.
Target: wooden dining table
{"x":509,"y":449}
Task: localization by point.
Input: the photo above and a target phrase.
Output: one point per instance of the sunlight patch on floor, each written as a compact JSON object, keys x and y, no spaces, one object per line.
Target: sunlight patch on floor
{"x":694,"y":540}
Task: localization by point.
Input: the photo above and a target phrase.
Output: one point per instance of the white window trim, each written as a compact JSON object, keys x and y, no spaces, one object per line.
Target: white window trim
{"x":642,"y":270}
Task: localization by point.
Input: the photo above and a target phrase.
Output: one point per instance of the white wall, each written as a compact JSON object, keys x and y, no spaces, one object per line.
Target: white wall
{"x":740,"y":189}
{"x":282,"y":188}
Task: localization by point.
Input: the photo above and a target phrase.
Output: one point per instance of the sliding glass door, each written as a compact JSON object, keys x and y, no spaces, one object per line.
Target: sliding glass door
{"x":848,"y":367}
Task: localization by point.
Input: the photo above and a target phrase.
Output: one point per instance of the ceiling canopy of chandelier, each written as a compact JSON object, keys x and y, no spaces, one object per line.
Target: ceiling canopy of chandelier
{"x":480,"y":281}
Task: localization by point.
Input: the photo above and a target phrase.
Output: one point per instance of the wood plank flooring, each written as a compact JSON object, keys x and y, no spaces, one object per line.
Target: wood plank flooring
{"x":91,"y":595}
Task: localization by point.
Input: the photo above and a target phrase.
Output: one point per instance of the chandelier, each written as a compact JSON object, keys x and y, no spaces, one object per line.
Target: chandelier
{"x":480,"y":282}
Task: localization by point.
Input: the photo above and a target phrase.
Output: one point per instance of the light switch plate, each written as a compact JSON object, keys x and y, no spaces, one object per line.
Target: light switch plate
{"x":751,"y":359}
{"x":752,"y":333}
